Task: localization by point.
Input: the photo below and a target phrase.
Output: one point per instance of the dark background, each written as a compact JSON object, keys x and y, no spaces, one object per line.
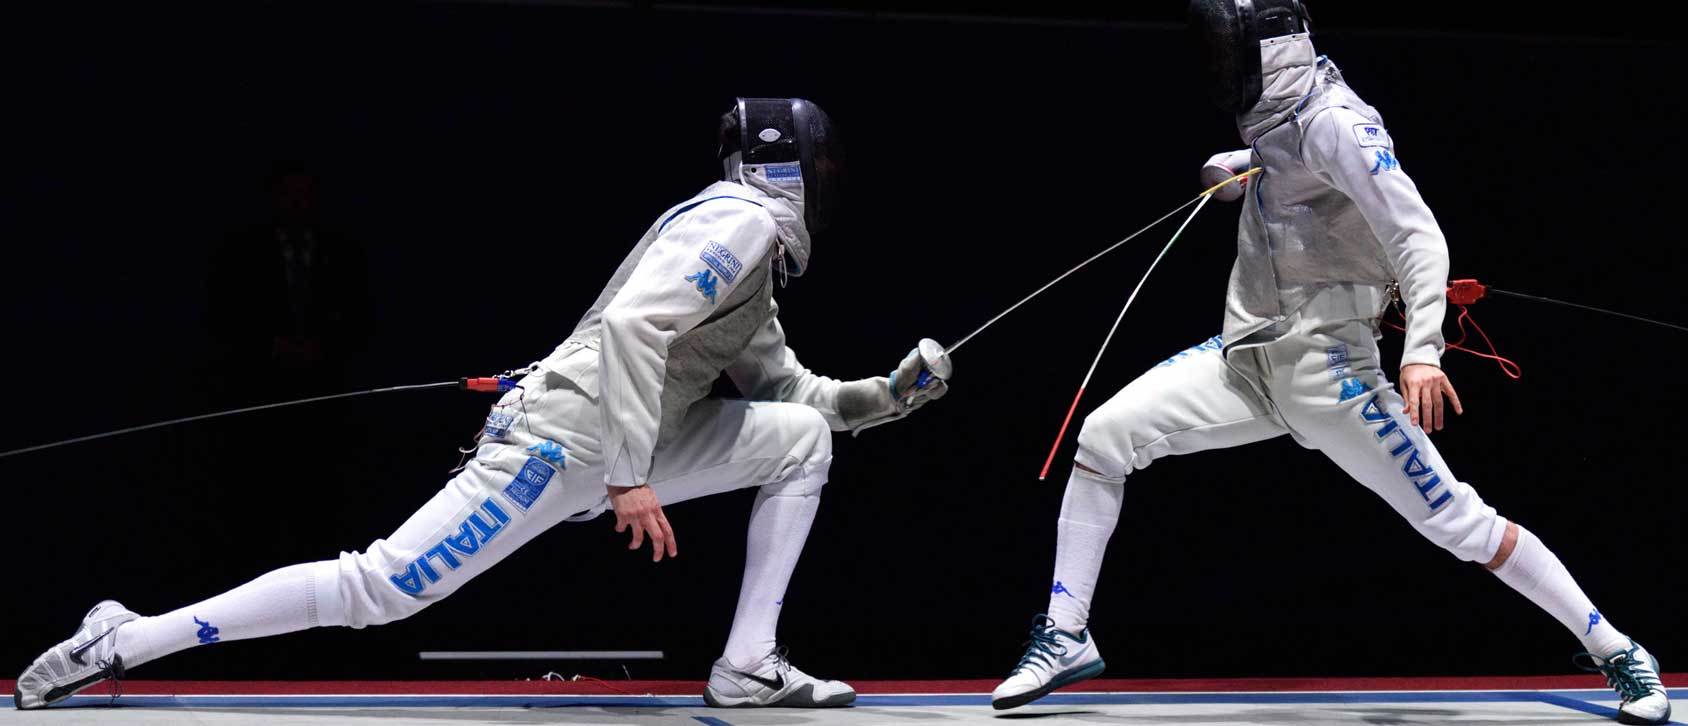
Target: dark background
{"x":475,"y":171}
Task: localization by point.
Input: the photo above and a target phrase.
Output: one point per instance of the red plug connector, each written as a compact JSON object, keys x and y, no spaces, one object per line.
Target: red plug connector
{"x":1466,"y":292}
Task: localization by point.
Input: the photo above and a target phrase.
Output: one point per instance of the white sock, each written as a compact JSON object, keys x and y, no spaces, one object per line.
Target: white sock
{"x":779,"y":525}
{"x":1536,"y":573}
{"x":1089,"y":511}
{"x":281,"y":601}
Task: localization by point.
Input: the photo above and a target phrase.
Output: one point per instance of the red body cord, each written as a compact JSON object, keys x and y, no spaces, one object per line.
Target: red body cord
{"x":1508,"y":367}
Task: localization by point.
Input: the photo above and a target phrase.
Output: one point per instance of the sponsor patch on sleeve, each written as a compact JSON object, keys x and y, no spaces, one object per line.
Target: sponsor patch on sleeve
{"x":1369,"y":135}
{"x":721,"y":260}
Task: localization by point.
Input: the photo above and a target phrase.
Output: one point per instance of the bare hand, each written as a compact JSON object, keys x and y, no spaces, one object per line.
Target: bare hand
{"x":637,"y":507}
{"x":1423,"y":386}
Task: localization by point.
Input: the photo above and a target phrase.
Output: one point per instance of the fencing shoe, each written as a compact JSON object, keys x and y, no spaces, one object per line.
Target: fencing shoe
{"x":88,"y":657}
{"x":1053,"y":659}
{"x":773,"y":681}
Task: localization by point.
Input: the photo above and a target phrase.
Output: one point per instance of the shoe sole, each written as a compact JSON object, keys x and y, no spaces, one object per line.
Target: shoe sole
{"x":714,"y":701}
{"x":1625,"y":718}
{"x":1061,"y":681}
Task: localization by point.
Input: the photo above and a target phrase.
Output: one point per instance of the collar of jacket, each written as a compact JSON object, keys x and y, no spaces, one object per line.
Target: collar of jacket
{"x":1288,"y":72}
{"x":786,"y":205}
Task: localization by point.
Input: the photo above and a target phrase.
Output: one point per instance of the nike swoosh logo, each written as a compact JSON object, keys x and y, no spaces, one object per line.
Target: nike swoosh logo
{"x":776,"y":683}
{"x":76,"y":653}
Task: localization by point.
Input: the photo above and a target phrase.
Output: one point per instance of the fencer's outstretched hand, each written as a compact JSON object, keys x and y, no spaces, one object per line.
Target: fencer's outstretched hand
{"x":905,"y":382}
{"x":1423,"y":386}
{"x":638,"y":508}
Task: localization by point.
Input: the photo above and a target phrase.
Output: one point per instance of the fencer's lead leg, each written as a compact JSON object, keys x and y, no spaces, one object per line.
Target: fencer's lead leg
{"x":785,"y":449}
{"x":1191,"y":402}
{"x":779,"y":526}
{"x":1089,"y":511}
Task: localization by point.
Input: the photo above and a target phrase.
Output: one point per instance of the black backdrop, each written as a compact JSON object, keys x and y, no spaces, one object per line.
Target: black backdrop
{"x":490,"y":164}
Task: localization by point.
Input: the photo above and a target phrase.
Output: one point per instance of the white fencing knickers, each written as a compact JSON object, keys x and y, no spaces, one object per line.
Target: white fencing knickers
{"x":1322,"y":384}
{"x":540,"y":464}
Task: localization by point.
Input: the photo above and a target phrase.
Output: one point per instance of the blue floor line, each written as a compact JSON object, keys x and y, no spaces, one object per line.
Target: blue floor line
{"x":884,"y":701}
{"x":1589,"y":707}
{"x":710,"y":721}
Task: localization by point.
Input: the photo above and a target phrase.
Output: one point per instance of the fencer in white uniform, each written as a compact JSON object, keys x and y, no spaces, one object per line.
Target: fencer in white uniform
{"x":1328,"y":231}
{"x":618,"y":416}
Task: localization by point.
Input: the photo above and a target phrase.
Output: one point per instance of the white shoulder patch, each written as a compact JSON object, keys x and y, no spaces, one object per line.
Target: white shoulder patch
{"x":1368,"y":135}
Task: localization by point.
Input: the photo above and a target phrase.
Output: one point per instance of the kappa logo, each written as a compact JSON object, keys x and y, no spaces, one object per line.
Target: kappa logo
{"x":705,"y":284}
{"x":1213,"y":343}
{"x":1422,"y":476}
{"x":1352,"y":388}
{"x":1593,"y":620}
{"x":550,"y":451}
{"x":1385,"y":162}
{"x":207,"y":634}
{"x":1060,"y":589}
{"x":471,"y":535}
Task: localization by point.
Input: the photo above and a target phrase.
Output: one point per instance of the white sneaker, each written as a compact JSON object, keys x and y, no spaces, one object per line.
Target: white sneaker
{"x":1055,"y":658}
{"x":773,"y":681}
{"x":88,"y":657}
{"x":1634,"y":674}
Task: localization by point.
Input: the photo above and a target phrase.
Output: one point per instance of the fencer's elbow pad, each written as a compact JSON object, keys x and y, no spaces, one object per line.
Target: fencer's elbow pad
{"x":1224,"y":166}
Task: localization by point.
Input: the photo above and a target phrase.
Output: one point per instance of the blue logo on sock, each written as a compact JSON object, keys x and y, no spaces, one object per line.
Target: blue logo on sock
{"x":207,"y":634}
{"x":1060,"y":589}
{"x":1593,"y":620}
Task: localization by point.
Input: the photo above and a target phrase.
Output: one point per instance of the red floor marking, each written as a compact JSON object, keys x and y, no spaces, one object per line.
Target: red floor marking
{"x":692,"y":688}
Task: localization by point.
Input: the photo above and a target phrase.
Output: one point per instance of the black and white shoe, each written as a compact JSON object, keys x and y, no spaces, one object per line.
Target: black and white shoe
{"x":773,"y":681}
{"x":1054,"y":658}
{"x":88,"y":657}
{"x":1634,"y":674}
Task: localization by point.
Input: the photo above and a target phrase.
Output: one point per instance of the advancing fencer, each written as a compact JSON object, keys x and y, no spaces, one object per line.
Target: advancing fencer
{"x":1326,"y":233}
{"x":617,"y":417}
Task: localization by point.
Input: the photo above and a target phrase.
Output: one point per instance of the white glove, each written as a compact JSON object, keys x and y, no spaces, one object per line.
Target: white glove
{"x":920,"y":377}
{"x":1224,"y":166}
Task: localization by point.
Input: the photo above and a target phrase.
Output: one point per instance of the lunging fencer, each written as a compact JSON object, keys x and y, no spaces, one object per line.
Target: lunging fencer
{"x":1328,"y":231}
{"x":617,"y":417}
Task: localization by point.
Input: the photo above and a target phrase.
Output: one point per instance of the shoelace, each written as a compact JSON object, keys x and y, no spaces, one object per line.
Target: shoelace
{"x":114,"y":674}
{"x":1623,"y":673}
{"x":1043,"y":648}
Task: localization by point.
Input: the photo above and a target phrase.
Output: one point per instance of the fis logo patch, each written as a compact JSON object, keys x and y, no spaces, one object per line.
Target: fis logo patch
{"x":207,"y":634}
{"x":531,"y":481}
{"x":705,"y":284}
{"x":1385,"y":162}
{"x":473,"y":533}
{"x":550,"y":451}
{"x":1369,"y":135}
{"x":721,"y":260}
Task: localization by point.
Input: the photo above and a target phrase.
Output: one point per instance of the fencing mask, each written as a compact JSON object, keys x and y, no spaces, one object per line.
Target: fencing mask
{"x":796,"y":147}
{"x":1229,"y":32}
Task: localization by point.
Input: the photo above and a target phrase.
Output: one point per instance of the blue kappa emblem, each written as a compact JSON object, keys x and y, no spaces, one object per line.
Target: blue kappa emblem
{"x":705,"y":284}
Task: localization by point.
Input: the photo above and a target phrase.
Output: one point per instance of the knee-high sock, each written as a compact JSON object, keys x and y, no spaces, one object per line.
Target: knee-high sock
{"x":779,"y":525}
{"x":282,"y":601}
{"x":1089,"y":511}
{"x":1536,"y":573}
